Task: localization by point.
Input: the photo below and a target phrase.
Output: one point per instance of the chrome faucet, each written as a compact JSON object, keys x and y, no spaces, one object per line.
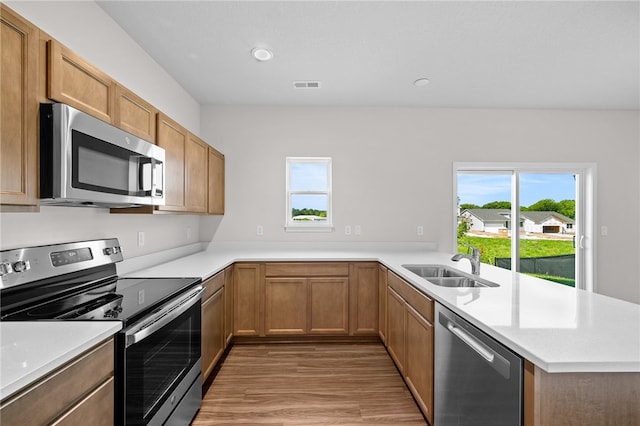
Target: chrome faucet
{"x":474,"y":258}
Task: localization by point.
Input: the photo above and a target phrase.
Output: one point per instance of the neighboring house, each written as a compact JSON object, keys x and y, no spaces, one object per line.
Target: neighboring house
{"x":547,"y":222}
{"x":498,"y":221}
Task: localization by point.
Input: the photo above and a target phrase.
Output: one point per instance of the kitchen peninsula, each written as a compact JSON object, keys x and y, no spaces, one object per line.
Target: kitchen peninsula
{"x":574,"y":341}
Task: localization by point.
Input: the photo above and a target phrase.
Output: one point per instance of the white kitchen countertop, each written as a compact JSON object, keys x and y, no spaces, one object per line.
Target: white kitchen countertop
{"x":556,"y":327}
{"x":30,"y":350}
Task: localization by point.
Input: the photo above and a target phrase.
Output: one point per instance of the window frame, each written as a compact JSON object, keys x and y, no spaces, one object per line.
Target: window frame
{"x":300,"y":226}
{"x":586,"y":207}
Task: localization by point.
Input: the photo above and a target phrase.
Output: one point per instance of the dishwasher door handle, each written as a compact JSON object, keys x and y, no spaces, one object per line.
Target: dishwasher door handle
{"x":499,"y":363}
{"x":471,"y":342}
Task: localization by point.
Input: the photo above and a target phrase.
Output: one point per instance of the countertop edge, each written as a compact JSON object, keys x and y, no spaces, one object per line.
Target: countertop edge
{"x":9,"y":389}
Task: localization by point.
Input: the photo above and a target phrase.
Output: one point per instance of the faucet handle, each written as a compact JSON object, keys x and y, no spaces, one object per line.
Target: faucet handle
{"x":475,"y":252}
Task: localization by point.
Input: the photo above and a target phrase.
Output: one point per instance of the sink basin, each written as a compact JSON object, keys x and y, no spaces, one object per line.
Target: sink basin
{"x":429,"y":271}
{"x":447,"y":277}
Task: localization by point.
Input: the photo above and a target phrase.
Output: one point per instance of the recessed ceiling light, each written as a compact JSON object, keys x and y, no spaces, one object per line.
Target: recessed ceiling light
{"x":261,"y":54}
{"x":421,"y":82}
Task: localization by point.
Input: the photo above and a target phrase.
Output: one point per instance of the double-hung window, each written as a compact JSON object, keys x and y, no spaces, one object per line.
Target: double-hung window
{"x":308,"y":204}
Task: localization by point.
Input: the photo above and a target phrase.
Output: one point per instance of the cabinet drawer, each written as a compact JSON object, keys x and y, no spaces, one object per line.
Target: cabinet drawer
{"x":212,"y":285}
{"x":307,"y":269}
{"x":44,"y":401}
{"x":95,"y":410}
{"x":421,"y":303}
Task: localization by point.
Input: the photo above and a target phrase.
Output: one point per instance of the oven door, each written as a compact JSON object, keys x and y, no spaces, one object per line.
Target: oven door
{"x":159,"y":372}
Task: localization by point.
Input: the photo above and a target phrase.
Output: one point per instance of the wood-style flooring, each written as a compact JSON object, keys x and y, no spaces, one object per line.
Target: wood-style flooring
{"x":308,"y":384}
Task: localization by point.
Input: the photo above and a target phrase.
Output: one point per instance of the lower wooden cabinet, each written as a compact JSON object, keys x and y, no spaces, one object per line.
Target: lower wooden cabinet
{"x":363,"y":298}
{"x":410,"y":339}
{"x":306,"y":299}
{"x":228,"y":305}
{"x":247,"y":299}
{"x":418,"y":367}
{"x":212,"y":333}
{"x":328,"y":305}
{"x":303,"y":298}
{"x":80,"y":393}
{"x":382,"y":303}
{"x":285,"y":310}
{"x":396,"y":332}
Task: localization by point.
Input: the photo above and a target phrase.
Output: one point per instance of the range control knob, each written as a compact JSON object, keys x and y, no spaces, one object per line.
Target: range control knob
{"x":5,"y":268}
{"x":113,"y":313}
{"x":108,"y":251}
{"x":21,"y":265}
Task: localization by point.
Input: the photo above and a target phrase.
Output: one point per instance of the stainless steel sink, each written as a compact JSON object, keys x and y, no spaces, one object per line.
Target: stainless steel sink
{"x":448,"y":277}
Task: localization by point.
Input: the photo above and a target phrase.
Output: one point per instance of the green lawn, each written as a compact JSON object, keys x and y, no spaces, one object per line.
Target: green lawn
{"x":490,"y":248}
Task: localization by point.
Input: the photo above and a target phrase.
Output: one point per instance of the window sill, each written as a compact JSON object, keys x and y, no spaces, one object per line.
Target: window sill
{"x":309,"y":228}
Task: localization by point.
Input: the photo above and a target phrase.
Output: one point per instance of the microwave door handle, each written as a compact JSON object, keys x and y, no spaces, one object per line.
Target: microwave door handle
{"x":145,"y":175}
{"x":156,"y":187}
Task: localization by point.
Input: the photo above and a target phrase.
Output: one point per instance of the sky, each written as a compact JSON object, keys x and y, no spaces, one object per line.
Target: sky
{"x":481,"y":189}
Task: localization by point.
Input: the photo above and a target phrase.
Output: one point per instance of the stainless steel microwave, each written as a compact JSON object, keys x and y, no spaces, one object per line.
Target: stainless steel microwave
{"x":87,"y":162}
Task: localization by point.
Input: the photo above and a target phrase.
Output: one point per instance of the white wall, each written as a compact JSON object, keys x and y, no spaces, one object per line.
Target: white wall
{"x":86,"y":29}
{"x":392,"y":170}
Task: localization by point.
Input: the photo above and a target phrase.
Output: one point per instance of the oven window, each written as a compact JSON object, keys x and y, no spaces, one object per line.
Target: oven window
{"x":157,"y":364}
{"x":101,"y":166}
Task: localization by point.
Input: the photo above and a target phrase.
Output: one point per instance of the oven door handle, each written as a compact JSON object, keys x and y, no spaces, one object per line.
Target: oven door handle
{"x":163,"y":316}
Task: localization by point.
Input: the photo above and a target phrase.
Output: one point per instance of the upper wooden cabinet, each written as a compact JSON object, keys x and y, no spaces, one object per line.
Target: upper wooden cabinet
{"x":216,"y":182}
{"x":19,"y":106}
{"x":135,"y":115}
{"x":196,"y":174}
{"x":37,"y":68}
{"x":75,"y":82}
{"x":174,"y":139}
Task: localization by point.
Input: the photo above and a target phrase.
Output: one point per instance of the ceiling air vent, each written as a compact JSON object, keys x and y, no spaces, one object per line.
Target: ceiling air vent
{"x":306,"y":84}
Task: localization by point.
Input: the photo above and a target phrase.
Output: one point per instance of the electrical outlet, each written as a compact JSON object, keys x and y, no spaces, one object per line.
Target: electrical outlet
{"x":420,"y":230}
{"x":604,"y":230}
{"x":259,"y":230}
{"x":140,"y":239}
{"x":188,"y":233}
{"x":357,"y":230}
{"x":347,"y":230}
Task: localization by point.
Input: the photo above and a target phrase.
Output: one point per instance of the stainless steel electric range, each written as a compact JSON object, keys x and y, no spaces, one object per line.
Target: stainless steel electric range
{"x":157,"y":352}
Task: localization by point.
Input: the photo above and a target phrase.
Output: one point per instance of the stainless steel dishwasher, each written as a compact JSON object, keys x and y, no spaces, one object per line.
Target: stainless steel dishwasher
{"x":477,"y":380}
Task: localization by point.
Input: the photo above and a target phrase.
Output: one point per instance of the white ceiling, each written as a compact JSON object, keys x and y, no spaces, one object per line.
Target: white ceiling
{"x":476,"y":54}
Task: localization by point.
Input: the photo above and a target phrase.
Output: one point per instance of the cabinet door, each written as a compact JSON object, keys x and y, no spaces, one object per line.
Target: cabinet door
{"x":328,"y":306}
{"x":196,"y":170}
{"x":363,"y":279}
{"x":74,"y":81}
{"x":212,"y":332}
{"x":228,"y":305}
{"x":396,"y":328}
{"x":84,"y":385}
{"x":19,"y":119}
{"x":216,"y":182}
{"x":419,"y":360}
{"x":247,"y":299}
{"x":135,"y":115}
{"x":173,"y":138}
{"x":382,"y":303}
{"x":285,"y":310}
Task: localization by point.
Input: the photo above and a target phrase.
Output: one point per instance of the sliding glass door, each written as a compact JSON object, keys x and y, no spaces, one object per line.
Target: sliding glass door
{"x":531,"y":218}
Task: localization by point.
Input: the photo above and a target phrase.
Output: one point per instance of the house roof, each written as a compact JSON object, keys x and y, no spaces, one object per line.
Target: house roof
{"x":542,"y":216}
{"x":490,"y":215}
{"x":501,"y":215}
